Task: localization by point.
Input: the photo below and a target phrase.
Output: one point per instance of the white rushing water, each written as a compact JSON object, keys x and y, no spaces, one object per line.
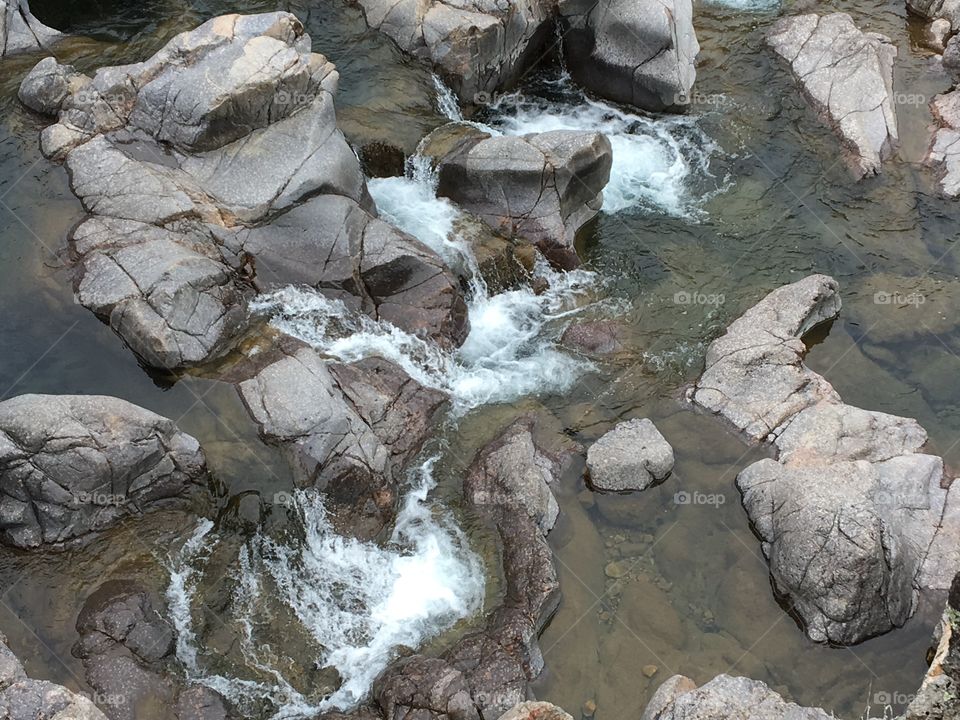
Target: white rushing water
{"x":511,"y":349}
{"x":660,"y":164}
{"x":359,"y":601}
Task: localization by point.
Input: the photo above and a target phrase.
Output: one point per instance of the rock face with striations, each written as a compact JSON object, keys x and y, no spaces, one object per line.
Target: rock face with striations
{"x":71,"y":465}
{"x":541,"y":187}
{"x":636,"y":53}
{"x":944,"y":152}
{"x":24,"y":699}
{"x":724,"y":698}
{"x":21,"y":32}
{"x":125,"y":646}
{"x":189,"y":160}
{"x":348,"y":429}
{"x":852,"y":514}
{"x":848,"y":76}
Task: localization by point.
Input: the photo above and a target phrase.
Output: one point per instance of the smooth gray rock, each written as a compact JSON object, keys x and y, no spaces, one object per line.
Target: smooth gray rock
{"x":477,"y":46}
{"x":632,"y":456}
{"x":724,"y":698}
{"x":24,"y":699}
{"x":21,"y":32}
{"x":71,"y":465}
{"x":349,"y":429}
{"x":541,"y":187}
{"x":48,"y":84}
{"x":191,"y":163}
{"x":125,"y":646}
{"x":755,"y":377}
{"x":848,"y":76}
{"x":639,"y":53}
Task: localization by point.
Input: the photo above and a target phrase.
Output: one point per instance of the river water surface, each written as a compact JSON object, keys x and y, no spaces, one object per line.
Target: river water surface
{"x":704,"y":214}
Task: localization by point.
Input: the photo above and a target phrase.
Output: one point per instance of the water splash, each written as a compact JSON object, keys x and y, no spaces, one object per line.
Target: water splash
{"x":358,"y":600}
{"x":446,"y":101}
{"x":660,"y":164}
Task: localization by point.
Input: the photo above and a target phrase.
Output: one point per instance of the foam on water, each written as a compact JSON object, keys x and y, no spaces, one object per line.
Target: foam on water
{"x":447,"y":102}
{"x":358,"y":600}
{"x":660,"y":164}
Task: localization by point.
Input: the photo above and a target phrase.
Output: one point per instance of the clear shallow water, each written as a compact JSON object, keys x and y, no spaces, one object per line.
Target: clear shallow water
{"x":787,"y":208}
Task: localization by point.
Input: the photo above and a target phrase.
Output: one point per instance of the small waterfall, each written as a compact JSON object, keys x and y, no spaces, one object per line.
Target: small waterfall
{"x":359,"y":601}
{"x":447,"y":102}
{"x":660,"y":164}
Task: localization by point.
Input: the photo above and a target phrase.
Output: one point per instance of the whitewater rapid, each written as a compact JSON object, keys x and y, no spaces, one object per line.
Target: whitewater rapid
{"x":358,"y":600}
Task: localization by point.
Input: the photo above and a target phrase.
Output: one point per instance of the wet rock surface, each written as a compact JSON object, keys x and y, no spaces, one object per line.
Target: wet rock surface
{"x":938,"y":697}
{"x":348,"y":429}
{"x":542,"y":187}
{"x":944,"y":152}
{"x":126,"y":648}
{"x":853,"y":515}
{"x":22,"y":698}
{"x":632,"y":456}
{"x":170,"y":164}
{"x":636,"y":53}
{"x":724,"y":698}
{"x":21,"y":32}
{"x":847,"y":74}
{"x":71,"y":465}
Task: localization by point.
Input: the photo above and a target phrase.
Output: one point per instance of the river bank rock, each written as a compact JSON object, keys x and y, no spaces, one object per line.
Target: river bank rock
{"x":169,"y":158}
{"x":847,"y":74}
{"x":487,"y":672}
{"x":635,"y":53}
{"x":71,"y":465}
{"x":536,"y":711}
{"x":542,"y":187}
{"x":854,"y":517}
{"x":24,"y":699}
{"x":632,"y":456}
{"x":944,"y":154}
{"x":21,"y":31}
{"x":678,"y":698}
{"x":939,"y":695}
{"x":125,"y":645}
{"x":348,"y":430}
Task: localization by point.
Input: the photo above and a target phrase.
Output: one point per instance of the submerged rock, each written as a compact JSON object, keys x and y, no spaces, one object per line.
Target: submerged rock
{"x":632,"y":456}
{"x":597,"y":338}
{"x":724,"y":698}
{"x":24,"y":699}
{"x":21,"y":32}
{"x":636,"y":53}
{"x":848,"y":76}
{"x":535,"y":711}
{"x":71,"y":465}
{"x":348,"y":429}
{"x":542,"y":187}
{"x":123,"y":645}
{"x":168,"y":156}
{"x":852,"y":514}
